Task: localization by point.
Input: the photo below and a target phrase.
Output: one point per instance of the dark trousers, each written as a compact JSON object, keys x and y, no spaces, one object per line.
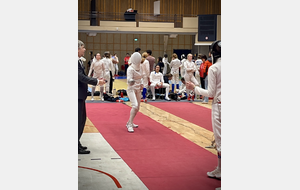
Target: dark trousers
{"x":202,"y":80}
{"x":126,"y":67}
{"x":110,"y":82}
{"x":81,"y":118}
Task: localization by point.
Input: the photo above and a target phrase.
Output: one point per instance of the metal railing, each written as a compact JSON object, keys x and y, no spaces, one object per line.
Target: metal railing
{"x":139,"y":17}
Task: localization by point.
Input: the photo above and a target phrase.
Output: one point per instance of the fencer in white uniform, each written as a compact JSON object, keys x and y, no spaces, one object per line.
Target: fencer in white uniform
{"x":190,"y":68}
{"x":98,"y":67}
{"x":174,"y":65}
{"x":214,"y":90}
{"x":108,"y":67}
{"x":198,"y":62}
{"x":157,"y":81}
{"x":145,"y":71}
{"x":115,"y":63}
{"x":182,"y":90}
{"x":182,"y":68}
{"x":134,"y":87}
{"x":166,"y":63}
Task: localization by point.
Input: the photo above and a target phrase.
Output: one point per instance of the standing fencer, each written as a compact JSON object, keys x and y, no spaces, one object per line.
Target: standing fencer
{"x":135,"y":85}
{"x":145,"y":71}
{"x":182,"y":69}
{"x":115,"y":62}
{"x":98,"y":67}
{"x":174,"y":65}
{"x":166,"y":63}
{"x":213,"y":90}
{"x":198,"y":62}
{"x":190,"y":68}
{"x":157,"y":81}
{"x":108,"y":67}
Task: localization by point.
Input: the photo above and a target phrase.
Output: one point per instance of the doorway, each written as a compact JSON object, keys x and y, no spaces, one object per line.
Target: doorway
{"x":179,"y":52}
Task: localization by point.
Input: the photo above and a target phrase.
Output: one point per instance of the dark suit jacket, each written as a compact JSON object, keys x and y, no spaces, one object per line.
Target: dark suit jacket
{"x":83,"y":82}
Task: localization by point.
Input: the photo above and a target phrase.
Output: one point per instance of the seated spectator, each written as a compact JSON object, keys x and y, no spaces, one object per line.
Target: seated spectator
{"x":168,"y":77}
{"x":181,"y":92}
{"x":157,"y":81}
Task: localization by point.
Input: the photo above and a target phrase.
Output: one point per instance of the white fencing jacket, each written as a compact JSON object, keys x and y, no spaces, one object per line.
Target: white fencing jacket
{"x":175,"y":64}
{"x":156,"y":77}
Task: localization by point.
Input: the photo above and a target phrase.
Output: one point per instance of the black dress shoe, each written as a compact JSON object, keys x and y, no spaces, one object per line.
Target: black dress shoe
{"x":82,"y":151}
{"x":82,"y":147}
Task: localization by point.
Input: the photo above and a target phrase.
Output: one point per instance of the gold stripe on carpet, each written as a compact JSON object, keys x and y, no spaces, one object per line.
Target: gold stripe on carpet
{"x":204,"y":105}
{"x":89,"y":127}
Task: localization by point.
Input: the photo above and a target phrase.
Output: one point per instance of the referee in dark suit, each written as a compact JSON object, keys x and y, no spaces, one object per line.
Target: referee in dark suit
{"x":83,"y":82}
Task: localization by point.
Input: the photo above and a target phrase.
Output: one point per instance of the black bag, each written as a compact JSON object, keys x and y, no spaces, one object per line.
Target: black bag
{"x":110,"y":98}
{"x":122,"y":90}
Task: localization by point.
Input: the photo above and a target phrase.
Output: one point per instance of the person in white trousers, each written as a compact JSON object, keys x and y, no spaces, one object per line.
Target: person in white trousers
{"x":115,"y":62}
{"x":108,"y":66}
{"x":174,"y":65}
{"x":166,"y":63}
{"x":213,"y":90}
{"x":157,"y":81}
{"x":198,"y":62}
{"x":134,"y":87}
{"x":145,"y":70}
{"x":98,"y":67}
{"x":182,"y":69}
{"x":190,"y":68}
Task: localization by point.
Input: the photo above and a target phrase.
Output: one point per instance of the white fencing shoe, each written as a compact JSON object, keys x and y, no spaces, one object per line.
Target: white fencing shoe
{"x":130,"y":128}
{"x":216,"y":173}
{"x":133,"y":125}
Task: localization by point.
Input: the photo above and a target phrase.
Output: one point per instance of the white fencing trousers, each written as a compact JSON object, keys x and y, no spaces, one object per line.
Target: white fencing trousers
{"x":189,"y":77}
{"x":116,"y":69}
{"x":197,"y":76}
{"x":216,"y":124}
{"x":135,"y":100}
{"x":107,"y":77}
{"x":175,"y":78}
{"x":165,"y":85}
{"x":145,"y":81}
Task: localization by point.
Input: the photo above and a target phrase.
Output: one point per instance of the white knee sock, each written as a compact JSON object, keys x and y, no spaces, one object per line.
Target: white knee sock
{"x":167,"y":91}
{"x":101,"y":91}
{"x":93,"y":91}
{"x":153,"y":91}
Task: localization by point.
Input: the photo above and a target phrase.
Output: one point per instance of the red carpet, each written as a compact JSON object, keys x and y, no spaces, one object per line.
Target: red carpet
{"x":161,"y":158}
{"x":191,"y":112}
